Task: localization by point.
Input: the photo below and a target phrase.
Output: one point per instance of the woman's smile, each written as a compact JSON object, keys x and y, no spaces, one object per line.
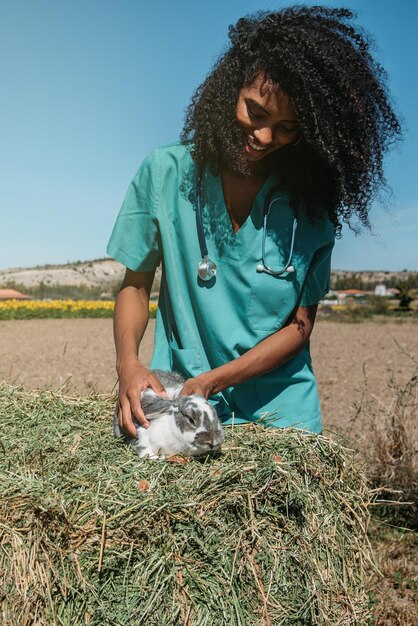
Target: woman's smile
{"x":253,"y":147}
{"x":267,"y":117}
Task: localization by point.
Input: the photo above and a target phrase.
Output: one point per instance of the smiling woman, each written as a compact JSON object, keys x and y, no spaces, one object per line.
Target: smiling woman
{"x":282,"y":143}
{"x":267,"y":116}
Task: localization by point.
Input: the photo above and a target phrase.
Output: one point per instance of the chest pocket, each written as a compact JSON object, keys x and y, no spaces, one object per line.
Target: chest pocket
{"x":272,"y":300}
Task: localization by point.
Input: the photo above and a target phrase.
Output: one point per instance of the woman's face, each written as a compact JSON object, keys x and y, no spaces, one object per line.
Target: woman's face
{"x":267,"y":116}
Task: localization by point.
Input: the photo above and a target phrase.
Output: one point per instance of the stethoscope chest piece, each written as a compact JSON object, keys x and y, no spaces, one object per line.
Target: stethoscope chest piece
{"x":206,"y":269}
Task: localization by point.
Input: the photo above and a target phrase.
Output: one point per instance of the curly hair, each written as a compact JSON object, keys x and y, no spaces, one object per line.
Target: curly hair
{"x":323,"y":63}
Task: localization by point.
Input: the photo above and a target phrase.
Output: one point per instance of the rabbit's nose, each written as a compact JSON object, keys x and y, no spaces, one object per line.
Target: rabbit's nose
{"x":204,"y":438}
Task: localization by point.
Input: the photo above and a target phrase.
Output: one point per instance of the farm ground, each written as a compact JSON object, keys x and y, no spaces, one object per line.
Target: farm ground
{"x":79,"y":354}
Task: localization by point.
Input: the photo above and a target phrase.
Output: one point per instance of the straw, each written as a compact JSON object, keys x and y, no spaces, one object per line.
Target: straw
{"x":271,"y":532}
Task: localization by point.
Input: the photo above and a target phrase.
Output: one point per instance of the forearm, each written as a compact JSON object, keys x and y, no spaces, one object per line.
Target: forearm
{"x":129,"y":324}
{"x":269,"y":354}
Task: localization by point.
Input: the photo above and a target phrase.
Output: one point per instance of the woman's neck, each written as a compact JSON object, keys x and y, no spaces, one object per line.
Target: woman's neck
{"x":239,"y":193}
{"x":259,"y":169}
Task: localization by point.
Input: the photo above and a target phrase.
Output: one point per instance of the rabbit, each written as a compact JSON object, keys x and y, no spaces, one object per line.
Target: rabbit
{"x":178,"y":425}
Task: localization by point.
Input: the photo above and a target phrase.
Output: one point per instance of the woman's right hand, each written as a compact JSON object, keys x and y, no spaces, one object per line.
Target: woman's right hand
{"x":133,"y":379}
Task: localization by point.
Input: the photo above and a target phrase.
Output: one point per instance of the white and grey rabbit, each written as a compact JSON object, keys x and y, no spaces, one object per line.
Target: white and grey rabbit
{"x":186,"y":425}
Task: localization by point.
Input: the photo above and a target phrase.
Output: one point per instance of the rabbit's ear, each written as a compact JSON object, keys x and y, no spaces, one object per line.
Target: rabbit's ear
{"x":154,"y":406}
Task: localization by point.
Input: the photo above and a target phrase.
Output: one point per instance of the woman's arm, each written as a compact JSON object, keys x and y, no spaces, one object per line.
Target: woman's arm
{"x":130,"y":320}
{"x":269,"y":354}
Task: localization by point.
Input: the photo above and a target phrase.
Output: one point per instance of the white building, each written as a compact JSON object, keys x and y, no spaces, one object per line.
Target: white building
{"x":380,"y":290}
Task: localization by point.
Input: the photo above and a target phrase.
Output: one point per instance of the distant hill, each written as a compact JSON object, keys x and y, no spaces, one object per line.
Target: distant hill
{"x":342,"y":279}
{"x":100,"y":273}
{"x":106,"y":274}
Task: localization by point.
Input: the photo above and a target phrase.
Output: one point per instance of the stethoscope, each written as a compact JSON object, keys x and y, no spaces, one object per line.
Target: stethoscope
{"x":206,"y":268}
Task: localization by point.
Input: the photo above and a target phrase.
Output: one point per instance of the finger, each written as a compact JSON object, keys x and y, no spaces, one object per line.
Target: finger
{"x":157,"y":387}
{"x":185,"y":391}
{"x":136,"y":409}
{"x":125,"y":417}
{"x":202,"y":391}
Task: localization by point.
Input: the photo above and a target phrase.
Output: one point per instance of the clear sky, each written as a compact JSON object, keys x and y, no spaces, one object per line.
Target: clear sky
{"x":89,"y":87}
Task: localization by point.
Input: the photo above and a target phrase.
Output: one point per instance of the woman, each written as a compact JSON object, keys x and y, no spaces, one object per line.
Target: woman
{"x":292,"y":121}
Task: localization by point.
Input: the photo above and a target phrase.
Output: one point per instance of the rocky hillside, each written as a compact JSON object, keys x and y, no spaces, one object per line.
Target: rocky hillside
{"x":102,"y":273}
{"x":105,"y":274}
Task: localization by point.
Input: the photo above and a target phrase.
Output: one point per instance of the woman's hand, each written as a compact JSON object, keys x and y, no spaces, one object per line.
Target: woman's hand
{"x":130,"y":320}
{"x":133,"y":379}
{"x":198,"y":385}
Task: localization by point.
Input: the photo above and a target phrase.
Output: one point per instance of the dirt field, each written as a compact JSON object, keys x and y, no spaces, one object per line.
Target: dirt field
{"x":80,"y":354}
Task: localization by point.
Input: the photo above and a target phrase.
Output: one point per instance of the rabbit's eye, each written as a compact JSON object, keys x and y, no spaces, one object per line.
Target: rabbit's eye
{"x":191,"y":420}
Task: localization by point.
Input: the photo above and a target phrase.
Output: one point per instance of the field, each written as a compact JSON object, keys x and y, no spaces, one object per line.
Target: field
{"x":78,"y":355}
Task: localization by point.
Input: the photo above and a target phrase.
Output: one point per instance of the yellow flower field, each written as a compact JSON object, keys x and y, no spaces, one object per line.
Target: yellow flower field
{"x":39,"y":309}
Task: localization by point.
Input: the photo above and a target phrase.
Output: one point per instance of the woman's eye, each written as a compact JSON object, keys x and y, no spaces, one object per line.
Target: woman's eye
{"x":285,"y":129}
{"x":251,"y":113}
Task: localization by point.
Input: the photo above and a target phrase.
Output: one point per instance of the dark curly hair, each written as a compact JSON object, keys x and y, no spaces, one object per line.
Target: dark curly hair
{"x":323,"y":63}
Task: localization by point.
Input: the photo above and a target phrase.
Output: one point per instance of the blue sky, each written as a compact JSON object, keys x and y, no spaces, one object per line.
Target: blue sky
{"x":90,"y":87}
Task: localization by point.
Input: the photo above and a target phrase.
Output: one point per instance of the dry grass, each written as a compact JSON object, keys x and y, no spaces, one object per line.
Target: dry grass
{"x":394,"y":594}
{"x":389,"y":450}
{"x":272,"y":532}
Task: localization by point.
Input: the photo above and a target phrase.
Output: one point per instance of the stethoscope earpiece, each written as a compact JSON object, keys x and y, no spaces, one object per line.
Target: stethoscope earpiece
{"x":260,"y":268}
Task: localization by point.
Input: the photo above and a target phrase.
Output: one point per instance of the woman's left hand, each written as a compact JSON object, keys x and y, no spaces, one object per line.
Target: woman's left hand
{"x":198,"y":386}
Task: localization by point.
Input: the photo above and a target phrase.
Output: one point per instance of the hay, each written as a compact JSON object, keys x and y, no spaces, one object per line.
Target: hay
{"x":390,"y":448}
{"x":271,"y":532}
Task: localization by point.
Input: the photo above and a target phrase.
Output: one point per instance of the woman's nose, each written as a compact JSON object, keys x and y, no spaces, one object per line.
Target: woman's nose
{"x":263,"y":135}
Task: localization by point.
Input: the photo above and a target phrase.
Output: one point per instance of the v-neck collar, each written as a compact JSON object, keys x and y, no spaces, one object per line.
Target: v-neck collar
{"x":254,"y":207}
{"x":217,"y":222}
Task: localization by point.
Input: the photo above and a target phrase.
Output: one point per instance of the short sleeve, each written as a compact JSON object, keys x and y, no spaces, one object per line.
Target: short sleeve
{"x":317,"y":282}
{"x":135,"y":239}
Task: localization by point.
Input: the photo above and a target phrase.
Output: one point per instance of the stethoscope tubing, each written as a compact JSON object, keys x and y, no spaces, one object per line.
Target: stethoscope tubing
{"x":207,"y":268}
{"x":287,"y":266}
{"x":199,"y":219}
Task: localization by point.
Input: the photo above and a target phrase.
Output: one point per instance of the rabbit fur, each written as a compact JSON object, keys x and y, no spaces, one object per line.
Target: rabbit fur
{"x":186,"y":425}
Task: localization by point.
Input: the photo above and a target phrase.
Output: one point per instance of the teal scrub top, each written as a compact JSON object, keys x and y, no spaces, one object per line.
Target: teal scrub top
{"x":202,"y":325}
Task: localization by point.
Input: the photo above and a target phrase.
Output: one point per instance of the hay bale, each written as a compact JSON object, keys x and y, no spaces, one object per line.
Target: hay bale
{"x":271,"y":532}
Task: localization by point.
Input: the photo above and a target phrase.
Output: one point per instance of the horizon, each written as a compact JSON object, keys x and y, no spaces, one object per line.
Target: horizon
{"x":107,"y":258}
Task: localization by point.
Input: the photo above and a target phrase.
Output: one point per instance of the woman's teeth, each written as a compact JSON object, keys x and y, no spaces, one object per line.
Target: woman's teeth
{"x":254,"y":145}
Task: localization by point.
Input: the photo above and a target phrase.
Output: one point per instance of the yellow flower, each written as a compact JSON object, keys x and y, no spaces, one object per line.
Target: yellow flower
{"x":27,"y":309}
